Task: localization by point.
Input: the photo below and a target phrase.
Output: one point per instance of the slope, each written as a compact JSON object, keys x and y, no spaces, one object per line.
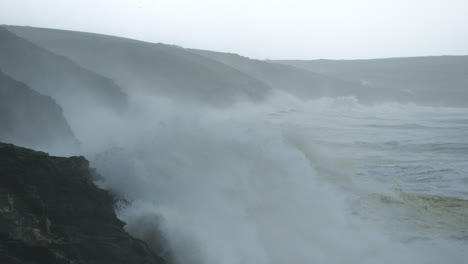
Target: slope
{"x":436,"y":81}
{"x":30,"y":119}
{"x":74,"y":87}
{"x":150,"y":68}
{"x":300,"y":82}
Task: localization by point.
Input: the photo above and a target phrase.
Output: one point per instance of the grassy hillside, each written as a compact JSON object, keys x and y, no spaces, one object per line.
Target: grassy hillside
{"x":74,"y":87}
{"x":220,"y":78}
{"x":28,"y":118}
{"x":145,"y":67}
{"x":297,"y":81}
{"x":438,"y":81}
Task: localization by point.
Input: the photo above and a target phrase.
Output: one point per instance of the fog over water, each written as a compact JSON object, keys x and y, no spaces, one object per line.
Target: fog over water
{"x":285,"y":180}
{"x":219,"y":158}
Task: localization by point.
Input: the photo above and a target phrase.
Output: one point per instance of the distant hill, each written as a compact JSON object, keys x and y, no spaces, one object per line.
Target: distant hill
{"x":30,"y":119}
{"x":300,"y":82}
{"x":145,"y":67}
{"x":220,"y":78}
{"x":74,"y":87}
{"x":437,"y":81}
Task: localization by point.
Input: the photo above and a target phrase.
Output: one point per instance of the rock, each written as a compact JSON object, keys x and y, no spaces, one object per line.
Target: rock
{"x":51,"y":212}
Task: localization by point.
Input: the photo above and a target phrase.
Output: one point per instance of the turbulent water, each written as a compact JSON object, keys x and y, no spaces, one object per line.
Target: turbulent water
{"x":288,"y":181}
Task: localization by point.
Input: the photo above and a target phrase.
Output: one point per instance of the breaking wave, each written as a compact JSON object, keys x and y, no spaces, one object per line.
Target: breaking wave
{"x":266,"y":183}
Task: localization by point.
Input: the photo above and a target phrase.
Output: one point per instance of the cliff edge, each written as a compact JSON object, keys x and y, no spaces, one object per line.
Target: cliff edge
{"x":51,"y":212}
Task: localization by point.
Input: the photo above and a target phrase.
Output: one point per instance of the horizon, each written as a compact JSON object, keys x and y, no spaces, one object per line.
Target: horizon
{"x":257,"y":131}
{"x":260,"y":29}
{"x":239,"y":54}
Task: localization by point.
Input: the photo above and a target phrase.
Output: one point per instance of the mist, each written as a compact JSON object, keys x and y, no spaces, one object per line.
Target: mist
{"x":233,"y":185}
{"x":219,"y":158}
{"x":261,"y":29}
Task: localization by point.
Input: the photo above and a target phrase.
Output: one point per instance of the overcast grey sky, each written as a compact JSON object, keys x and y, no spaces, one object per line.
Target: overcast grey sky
{"x":296,"y":29}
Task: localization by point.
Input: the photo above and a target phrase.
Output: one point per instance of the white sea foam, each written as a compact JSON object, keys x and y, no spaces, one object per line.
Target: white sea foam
{"x":256,"y":183}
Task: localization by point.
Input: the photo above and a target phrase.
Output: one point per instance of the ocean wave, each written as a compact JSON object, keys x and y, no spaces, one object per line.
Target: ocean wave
{"x":413,"y":211}
{"x":240,"y":185}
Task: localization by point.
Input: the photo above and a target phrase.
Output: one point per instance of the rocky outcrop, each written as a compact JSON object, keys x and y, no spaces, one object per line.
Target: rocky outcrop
{"x":51,"y":212}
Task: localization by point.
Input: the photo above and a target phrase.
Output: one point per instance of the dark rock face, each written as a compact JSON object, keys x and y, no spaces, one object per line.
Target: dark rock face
{"x":51,"y":212}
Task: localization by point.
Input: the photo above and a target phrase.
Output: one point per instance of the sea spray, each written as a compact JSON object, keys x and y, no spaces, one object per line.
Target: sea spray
{"x":254,"y":183}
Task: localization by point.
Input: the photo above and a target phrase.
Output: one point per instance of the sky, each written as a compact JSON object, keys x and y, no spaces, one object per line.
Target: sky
{"x":265,"y":29}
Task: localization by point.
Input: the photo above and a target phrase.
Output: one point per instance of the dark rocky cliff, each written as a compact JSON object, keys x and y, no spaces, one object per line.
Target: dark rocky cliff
{"x":51,"y":212}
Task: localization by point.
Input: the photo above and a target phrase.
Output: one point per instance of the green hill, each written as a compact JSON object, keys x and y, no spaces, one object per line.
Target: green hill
{"x":300,"y":82}
{"x":220,"y":78}
{"x":437,"y":81}
{"x":72,"y":86}
{"x":150,"y":68}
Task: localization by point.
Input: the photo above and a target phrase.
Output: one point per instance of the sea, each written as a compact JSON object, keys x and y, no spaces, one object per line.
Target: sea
{"x":327,"y":180}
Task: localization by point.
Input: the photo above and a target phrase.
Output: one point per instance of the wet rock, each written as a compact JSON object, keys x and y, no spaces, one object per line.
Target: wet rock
{"x":51,"y":212}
